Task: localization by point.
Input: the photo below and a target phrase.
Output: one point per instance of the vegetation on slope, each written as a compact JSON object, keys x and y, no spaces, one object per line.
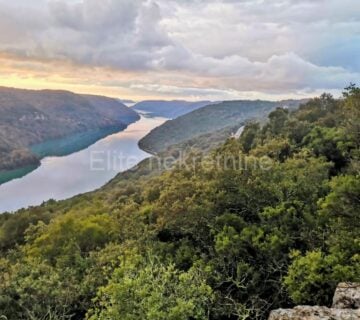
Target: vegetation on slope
{"x":207,"y":119}
{"x":32,"y":117}
{"x":268,"y":220}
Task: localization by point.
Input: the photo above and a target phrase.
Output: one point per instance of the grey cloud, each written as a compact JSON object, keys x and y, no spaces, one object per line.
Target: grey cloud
{"x":123,"y":34}
{"x":280,"y":72}
{"x":95,"y":16}
{"x":274,"y":45}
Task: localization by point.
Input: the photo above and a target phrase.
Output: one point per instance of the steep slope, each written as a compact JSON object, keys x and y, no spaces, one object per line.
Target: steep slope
{"x":208,"y":119}
{"x":169,"y":109}
{"x":221,"y":237}
{"x":31,"y":117}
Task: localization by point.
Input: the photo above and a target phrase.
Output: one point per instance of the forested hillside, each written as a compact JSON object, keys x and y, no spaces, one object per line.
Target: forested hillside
{"x":169,"y":109}
{"x":30,"y":117}
{"x":264,"y":221}
{"x":208,"y":119}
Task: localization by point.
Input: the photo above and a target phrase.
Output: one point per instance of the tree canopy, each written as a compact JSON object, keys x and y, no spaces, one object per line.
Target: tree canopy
{"x":264,"y":221}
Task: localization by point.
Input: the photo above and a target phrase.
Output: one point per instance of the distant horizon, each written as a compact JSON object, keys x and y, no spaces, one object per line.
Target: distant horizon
{"x":133,"y":102}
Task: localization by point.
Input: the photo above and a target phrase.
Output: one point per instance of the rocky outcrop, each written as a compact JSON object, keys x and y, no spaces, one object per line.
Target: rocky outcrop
{"x":347,"y":296}
{"x":314,"y":313}
{"x":345,"y":306}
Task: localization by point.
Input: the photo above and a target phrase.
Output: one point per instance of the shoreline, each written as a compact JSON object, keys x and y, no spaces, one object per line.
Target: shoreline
{"x":61,"y":178}
{"x":60,"y":147}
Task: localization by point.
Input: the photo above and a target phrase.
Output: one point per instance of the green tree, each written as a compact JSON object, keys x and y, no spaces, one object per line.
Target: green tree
{"x":247,"y":138}
{"x":312,"y":278}
{"x":150,"y":290}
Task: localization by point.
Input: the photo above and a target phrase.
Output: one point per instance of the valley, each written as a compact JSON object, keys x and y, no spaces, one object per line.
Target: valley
{"x":34,"y":124}
{"x":179,"y":160}
{"x":169,"y":109}
{"x":202,"y":216}
{"x":66,"y":172}
{"x":207,"y":230}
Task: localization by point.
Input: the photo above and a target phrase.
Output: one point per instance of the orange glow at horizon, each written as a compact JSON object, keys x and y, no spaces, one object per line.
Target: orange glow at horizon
{"x":33,"y":83}
{"x":32,"y":74}
{"x":37,"y":74}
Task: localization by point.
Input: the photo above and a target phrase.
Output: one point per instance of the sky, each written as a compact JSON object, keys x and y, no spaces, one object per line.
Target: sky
{"x":181,"y":49}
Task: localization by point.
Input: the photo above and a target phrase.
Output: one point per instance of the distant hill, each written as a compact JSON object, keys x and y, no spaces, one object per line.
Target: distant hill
{"x":30,"y":117}
{"x":127,"y":102}
{"x":209,"y":119}
{"x":169,"y":109}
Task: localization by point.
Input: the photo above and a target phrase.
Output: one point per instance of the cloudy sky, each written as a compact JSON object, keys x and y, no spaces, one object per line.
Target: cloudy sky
{"x":182,"y":49}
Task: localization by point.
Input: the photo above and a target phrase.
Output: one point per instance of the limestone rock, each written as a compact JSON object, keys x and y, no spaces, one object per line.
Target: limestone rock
{"x":346,"y":306}
{"x":347,"y":296}
{"x":314,"y":313}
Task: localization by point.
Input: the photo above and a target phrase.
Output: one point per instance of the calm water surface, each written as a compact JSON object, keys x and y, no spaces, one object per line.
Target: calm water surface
{"x":63,"y":177}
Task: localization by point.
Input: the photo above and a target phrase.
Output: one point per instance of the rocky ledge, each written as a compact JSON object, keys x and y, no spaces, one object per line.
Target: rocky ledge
{"x":346,"y":306}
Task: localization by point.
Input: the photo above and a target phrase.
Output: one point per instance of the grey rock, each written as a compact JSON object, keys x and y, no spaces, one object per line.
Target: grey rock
{"x":346,"y":306}
{"x":347,"y":296}
{"x":314,"y":313}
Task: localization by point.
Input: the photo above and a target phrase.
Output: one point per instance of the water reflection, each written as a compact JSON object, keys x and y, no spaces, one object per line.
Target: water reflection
{"x":63,"y":177}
